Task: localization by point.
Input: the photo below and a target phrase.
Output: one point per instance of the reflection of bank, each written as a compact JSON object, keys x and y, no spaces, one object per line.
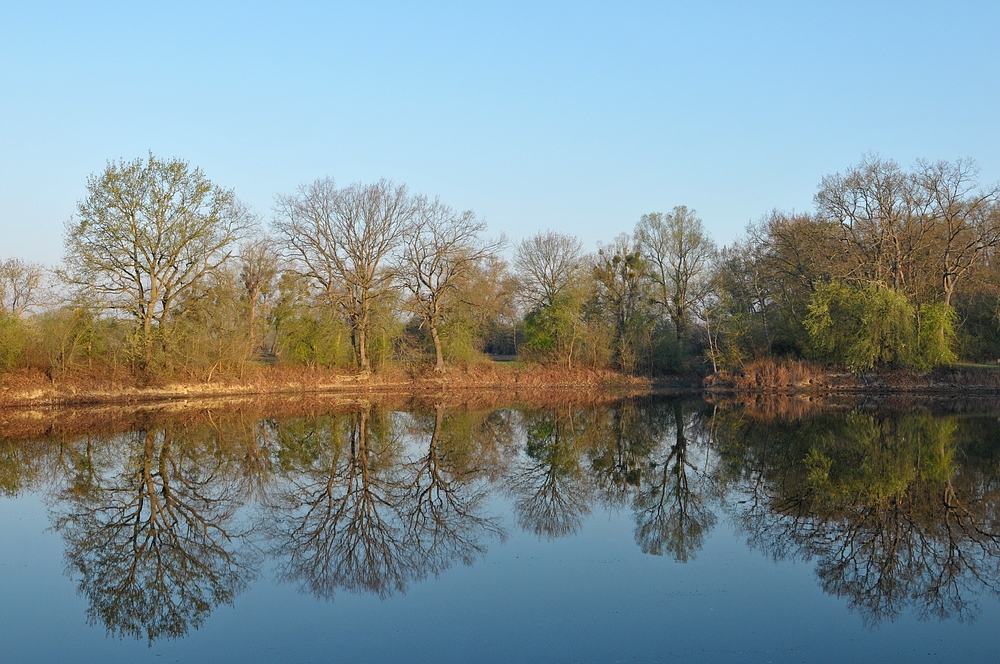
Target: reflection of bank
{"x":880,"y":502}
{"x":150,"y":533}
{"x":355,"y":513}
{"x":898,"y":511}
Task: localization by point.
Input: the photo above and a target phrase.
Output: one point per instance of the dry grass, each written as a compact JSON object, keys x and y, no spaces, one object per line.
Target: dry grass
{"x":776,"y":375}
{"x":28,"y":388}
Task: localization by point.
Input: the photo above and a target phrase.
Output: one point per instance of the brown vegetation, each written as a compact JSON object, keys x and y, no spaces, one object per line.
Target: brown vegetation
{"x":31,"y":387}
{"x":775,"y":375}
{"x":110,"y":413}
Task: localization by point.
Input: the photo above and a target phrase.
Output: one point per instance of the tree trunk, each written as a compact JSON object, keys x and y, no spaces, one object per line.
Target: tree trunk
{"x":679,"y":327}
{"x":147,"y":343}
{"x":362,"y":325}
{"x":711,"y":343}
{"x":438,"y":354}
{"x":363,"y":350}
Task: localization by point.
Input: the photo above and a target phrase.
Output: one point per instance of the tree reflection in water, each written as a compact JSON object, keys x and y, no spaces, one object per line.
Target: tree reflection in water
{"x":445,"y":494}
{"x":551,"y":491}
{"x":150,"y":531}
{"x":673,"y":512}
{"x":892,"y":520}
{"x":898,"y":511}
{"x":357,"y":514}
{"x":337,"y":517}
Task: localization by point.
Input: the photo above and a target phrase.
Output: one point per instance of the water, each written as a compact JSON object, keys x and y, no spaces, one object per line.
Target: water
{"x":641,"y":530}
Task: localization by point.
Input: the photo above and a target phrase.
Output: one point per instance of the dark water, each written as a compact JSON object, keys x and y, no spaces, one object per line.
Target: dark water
{"x":643,"y":530}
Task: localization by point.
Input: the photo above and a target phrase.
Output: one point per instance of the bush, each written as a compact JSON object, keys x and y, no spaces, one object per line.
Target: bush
{"x":14,"y":339}
{"x":877,"y":326}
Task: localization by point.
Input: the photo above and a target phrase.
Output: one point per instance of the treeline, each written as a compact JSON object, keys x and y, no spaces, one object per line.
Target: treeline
{"x":164,"y":272}
{"x":894,"y":268}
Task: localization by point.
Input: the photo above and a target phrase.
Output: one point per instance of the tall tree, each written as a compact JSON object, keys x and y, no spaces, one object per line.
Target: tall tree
{"x":966,"y":220}
{"x":622,"y":295}
{"x":342,"y":238}
{"x":260,"y":263}
{"x":547,"y":264}
{"x":553,"y":284}
{"x":147,"y":233}
{"x":881,"y":214}
{"x":678,"y":254}
{"x":441,"y":251}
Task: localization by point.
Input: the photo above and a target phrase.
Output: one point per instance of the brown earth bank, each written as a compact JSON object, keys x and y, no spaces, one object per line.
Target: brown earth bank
{"x":53,"y":422}
{"x":34,"y":388}
{"x":50,"y":412}
{"x":30,"y":387}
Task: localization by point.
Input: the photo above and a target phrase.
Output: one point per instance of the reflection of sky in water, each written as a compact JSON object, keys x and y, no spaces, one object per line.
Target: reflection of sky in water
{"x":591,"y":596}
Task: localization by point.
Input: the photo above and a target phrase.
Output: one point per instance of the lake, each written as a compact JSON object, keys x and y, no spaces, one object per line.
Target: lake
{"x":648,"y":529}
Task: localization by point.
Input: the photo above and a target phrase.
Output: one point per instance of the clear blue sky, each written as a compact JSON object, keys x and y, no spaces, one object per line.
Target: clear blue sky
{"x":574,"y":116}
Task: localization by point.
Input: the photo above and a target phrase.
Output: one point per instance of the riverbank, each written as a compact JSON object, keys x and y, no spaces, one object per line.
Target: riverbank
{"x":34,"y":388}
{"x":803,"y":378}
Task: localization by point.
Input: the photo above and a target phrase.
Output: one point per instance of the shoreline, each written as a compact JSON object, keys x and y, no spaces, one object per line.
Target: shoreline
{"x":65,"y":410}
{"x":34,"y":389}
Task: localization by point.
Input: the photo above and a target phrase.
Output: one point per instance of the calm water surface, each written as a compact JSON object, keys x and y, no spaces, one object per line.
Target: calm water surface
{"x":643,"y":530}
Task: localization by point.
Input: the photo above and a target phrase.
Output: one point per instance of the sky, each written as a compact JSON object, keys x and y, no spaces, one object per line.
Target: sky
{"x":577,"y":116}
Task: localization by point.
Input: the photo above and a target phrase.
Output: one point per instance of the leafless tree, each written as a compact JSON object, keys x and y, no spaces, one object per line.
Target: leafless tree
{"x":259,"y":262}
{"x":441,"y":252}
{"x":966,"y":221}
{"x":342,"y":238}
{"x":20,"y":283}
{"x":881,"y":213}
{"x":547,"y":264}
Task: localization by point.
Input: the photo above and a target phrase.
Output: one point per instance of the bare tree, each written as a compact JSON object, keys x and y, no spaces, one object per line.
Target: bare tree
{"x":147,"y":234}
{"x":441,"y":251}
{"x":966,"y":221}
{"x":881,"y":213}
{"x":20,"y":283}
{"x":678,"y":253}
{"x":341,"y":239}
{"x":547,"y":264}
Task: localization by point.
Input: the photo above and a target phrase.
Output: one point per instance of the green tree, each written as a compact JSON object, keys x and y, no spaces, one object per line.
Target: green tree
{"x":554,"y":285}
{"x":14,"y":339}
{"x":678,"y":253}
{"x":622,"y":295}
{"x":861,"y":328}
{"x":146,"y":235}
{"x":877,"y":326}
